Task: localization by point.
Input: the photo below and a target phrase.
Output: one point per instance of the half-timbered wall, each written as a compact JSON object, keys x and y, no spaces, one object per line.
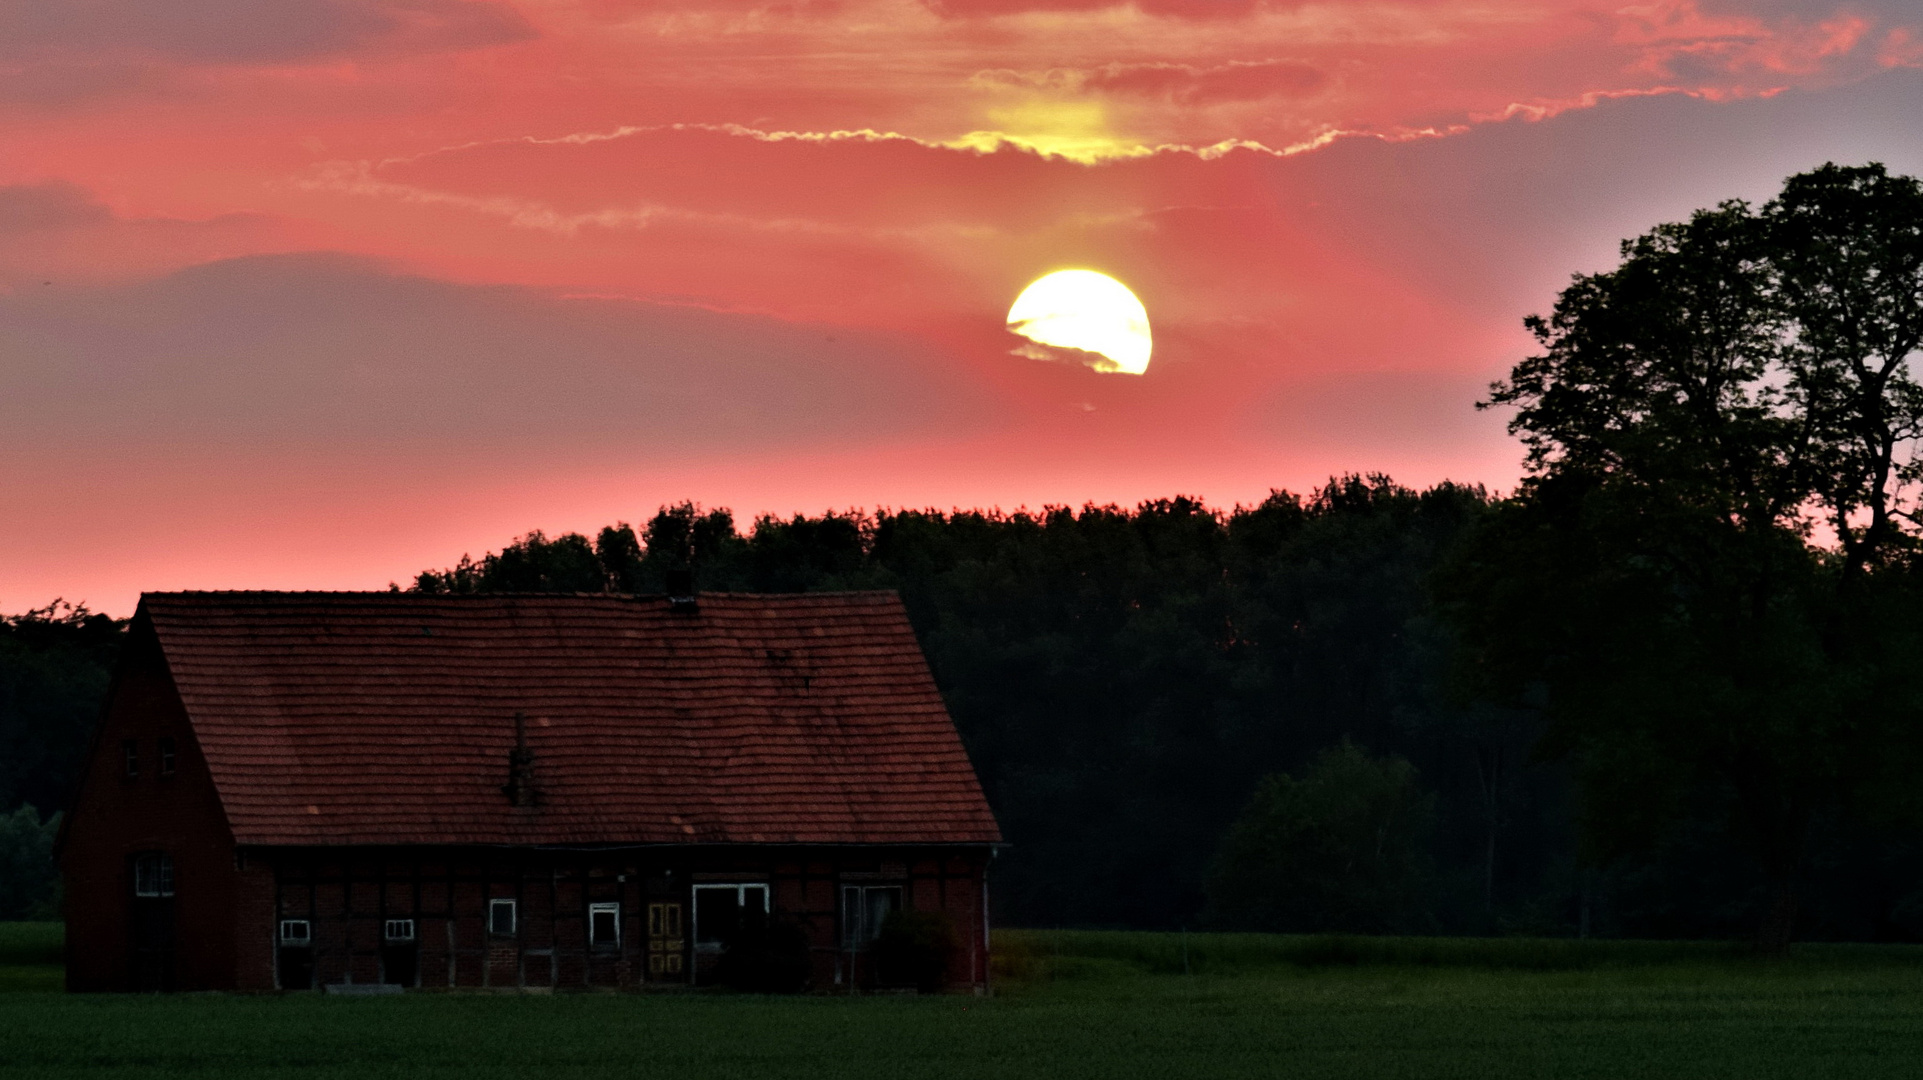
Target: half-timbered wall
{"x":347,"y":897}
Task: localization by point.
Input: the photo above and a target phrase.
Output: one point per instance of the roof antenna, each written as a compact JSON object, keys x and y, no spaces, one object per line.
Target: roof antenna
{"x":519,"y":788}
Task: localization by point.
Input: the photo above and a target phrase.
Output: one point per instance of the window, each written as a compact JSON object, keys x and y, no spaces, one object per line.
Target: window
{"x":500,"y":918}
{"x":153,"y":874}
{"x":130,"y":754}
{"x":164,"y":751}
{"x":720,"y":909}
{"x":864,"y":908}
{"x":604,"y":925}
{"x":296,"y":932}
{"x":398,"y":930}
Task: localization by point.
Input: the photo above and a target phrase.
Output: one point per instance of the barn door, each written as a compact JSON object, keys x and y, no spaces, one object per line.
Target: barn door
{"x":153,"y":922}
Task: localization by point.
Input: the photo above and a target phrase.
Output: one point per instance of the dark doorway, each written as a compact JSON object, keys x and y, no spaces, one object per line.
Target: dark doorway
{"x":154,"y":943}
{"x":294,"y":963}
{"x":401,"y":963}
{"x":153,"y":922}
{"x":295,"y":959}
{"x":400,"y":953}
{"x":296,"y":967}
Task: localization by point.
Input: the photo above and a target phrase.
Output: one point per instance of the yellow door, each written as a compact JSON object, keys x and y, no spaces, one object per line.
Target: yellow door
{"x":665,"y":941}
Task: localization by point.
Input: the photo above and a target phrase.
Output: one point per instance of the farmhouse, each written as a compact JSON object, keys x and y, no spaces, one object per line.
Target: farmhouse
{"x":361,"y":791}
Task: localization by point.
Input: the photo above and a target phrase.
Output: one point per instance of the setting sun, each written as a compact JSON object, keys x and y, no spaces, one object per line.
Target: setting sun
{"x":1086,"y":311}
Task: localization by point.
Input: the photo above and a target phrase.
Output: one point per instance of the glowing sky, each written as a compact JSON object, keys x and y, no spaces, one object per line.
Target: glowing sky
{"x":318,"y":293}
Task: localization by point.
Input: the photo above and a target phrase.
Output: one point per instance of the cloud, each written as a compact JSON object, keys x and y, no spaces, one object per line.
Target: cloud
{"x":1237,"y":80}
{"x":1184,"y":9}
{"x":1186,"y":84}
{"x":1351,"y":250}
{"x":1381,"y":409}
{"x":59,"y":53}
{"x":1810,"y":10}
{"x":250,"y":31}
{"x":1330,"y":310}
{"x":55,"y":204}
{"x":57,"y":232}
{"x":323,"y":352}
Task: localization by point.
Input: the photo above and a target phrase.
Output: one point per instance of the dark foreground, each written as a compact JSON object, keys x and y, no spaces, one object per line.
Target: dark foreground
{"x":1071,"y":1005}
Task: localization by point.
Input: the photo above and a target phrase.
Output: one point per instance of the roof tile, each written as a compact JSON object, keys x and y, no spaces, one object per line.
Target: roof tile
{"x":387,"y":718}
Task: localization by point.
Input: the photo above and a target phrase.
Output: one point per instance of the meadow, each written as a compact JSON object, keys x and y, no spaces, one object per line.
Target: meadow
{"x":1070,"y":1004}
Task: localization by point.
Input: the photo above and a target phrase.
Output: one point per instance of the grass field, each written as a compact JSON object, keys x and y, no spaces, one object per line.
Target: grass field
{"x":1074,"y":1004}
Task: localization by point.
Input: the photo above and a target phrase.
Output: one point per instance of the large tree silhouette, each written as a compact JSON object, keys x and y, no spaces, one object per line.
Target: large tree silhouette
{"x":1708,"y":576}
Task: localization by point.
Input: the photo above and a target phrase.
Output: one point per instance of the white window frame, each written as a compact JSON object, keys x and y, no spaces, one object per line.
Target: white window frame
{"x":741,"y":889}
{"x":164,"y":756}
{"x":513,"y":917}
{"x":398,"y":931}
{"x":855,"y":932}
{"x":153,"y":874}
{"x":296,"y":933}
{"x":595,"y":909}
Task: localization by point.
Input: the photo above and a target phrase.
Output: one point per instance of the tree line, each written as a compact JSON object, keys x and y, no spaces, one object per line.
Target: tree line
{"x":1667,"y":688}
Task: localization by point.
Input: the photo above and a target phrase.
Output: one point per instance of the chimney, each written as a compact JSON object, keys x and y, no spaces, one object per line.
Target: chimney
{"x":519,"y":788}
{"x":681,"y":597}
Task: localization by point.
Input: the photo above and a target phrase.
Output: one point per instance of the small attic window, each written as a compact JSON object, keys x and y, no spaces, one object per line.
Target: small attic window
{"x":130,"y":758}
{"x":164,"y":751}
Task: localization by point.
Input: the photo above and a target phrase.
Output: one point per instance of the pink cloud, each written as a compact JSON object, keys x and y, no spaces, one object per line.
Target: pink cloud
{"x":56,"y":232}
{"x":252,"y":31}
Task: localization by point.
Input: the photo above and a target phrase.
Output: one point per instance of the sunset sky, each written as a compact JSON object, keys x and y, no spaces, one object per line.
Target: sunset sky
{"x":320,"y":293}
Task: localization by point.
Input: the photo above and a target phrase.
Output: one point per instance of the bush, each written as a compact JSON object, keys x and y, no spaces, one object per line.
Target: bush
{"x":1340,"y":849}
{"x":29,"y":881}
{"x":915,"y":949}
{"x":766,"y":958}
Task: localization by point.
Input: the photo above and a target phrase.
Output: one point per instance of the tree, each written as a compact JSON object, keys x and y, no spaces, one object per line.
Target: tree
{"x":534,"y":563}
{"x":1124,"y":677}
{"x":55,"y":663}
{"x":29,"y":881}
{"x":1707,"y":575}
{"x":1342,"y":848}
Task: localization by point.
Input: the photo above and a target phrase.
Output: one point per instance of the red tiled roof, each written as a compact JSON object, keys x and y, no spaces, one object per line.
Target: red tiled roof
{"x":388,"y":718}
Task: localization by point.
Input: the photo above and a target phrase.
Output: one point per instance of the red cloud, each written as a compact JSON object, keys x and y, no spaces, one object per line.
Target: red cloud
{"x":56,"y":233}
{"x":1186,"y":9}
{"x":1237,"y":80}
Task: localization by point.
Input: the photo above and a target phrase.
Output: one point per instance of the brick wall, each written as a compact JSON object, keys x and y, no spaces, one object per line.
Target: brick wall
{"x":117,"y":817}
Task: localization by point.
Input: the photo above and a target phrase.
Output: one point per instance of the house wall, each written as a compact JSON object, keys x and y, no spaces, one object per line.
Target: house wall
{"x":116,"y":818}
{"x":347,"y":895}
